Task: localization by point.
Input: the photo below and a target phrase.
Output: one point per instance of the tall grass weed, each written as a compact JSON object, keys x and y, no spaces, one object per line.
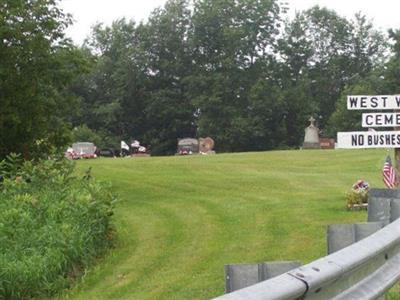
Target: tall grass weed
{"x":53,"y":225}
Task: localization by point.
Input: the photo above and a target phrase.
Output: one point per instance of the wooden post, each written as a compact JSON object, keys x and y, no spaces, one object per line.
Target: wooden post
{"x":397,"y":165}
{"x":397,"y":157}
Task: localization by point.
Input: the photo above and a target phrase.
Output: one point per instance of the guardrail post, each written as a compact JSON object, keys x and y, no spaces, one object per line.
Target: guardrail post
{"x":383,"y":205}
{"x":340,"y":236}
{"x":239,"y":276}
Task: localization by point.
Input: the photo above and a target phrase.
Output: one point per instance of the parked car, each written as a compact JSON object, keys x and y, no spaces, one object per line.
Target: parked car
{"x":106,"y":152}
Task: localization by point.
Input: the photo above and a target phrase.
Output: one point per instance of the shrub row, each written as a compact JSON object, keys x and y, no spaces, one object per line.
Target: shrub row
{"x":53,"y":225}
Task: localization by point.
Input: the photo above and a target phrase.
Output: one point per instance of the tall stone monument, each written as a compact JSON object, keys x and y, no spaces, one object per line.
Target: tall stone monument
{"x":311,"y":138}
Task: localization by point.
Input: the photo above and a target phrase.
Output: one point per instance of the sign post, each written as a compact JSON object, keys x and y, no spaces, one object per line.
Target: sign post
{"x":397,"y":166}
{"x":397,"y":153}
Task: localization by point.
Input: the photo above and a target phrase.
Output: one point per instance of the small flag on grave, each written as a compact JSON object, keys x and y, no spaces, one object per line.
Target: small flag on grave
{"x":124,"y":146}
{"x":389,"y":174}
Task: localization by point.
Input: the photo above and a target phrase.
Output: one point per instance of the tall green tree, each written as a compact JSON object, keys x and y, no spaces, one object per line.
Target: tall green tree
{"x":371,"y":72}
{"x":137,"y":88}
{"x":391,"y":72}
{"x":296,"y":51}
{"x":318,"y":50}
{"x":350,"y":120}
{"x":169,"y":111}
{"x":111,"y":81}
{"x":323,"y":53}
{"x":36,"y":64}
{"x":233,"y":44}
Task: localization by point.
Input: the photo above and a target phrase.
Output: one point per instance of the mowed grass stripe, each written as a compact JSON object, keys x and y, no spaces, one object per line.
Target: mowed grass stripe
{"x":188,"y":258}
{"x":158,"y":236}
{"x":180,"y":219}
{"x":161,"y":248}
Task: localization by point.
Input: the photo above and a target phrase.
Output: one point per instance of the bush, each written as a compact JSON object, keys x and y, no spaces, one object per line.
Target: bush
{"x":358,"y":194}
{"x":356,"y":197}
{"x":52,"y":226}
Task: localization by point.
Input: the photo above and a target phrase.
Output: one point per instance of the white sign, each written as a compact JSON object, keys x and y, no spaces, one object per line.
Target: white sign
{"x":368,"y":139}
{"x":381,"y":120}
{"x":373,"y":102}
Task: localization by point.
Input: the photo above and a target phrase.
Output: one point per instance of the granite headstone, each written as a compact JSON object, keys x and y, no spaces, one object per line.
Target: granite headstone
{"x":311,"y":137}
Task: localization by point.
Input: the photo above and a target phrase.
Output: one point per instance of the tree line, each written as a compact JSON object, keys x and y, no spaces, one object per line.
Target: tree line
{"x":237,"y":71}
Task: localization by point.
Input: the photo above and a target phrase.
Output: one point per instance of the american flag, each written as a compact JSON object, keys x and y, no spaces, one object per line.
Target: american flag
{"x":389,"y":174}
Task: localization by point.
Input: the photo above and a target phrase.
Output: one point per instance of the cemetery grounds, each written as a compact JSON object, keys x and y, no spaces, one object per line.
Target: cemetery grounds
{"x":181,"y":219}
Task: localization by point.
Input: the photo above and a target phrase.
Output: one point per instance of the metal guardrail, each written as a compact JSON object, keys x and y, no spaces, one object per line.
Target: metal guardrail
{"x":364,"y":270}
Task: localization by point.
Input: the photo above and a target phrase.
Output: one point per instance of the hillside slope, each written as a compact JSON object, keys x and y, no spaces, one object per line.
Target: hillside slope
{"x":180,"y":219}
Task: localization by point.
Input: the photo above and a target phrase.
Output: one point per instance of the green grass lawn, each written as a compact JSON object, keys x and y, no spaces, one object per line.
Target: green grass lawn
{"x":181,"y":219}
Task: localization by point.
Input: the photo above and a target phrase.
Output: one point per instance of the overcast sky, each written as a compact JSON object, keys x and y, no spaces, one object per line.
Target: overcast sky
{"x":384,"y":13}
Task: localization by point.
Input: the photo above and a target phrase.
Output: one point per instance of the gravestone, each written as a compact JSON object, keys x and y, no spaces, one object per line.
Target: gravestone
{"x":327,"y":143}
{"x":188,"y":146}
{"x":206,"y":145}
{"x":311,"y":137}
